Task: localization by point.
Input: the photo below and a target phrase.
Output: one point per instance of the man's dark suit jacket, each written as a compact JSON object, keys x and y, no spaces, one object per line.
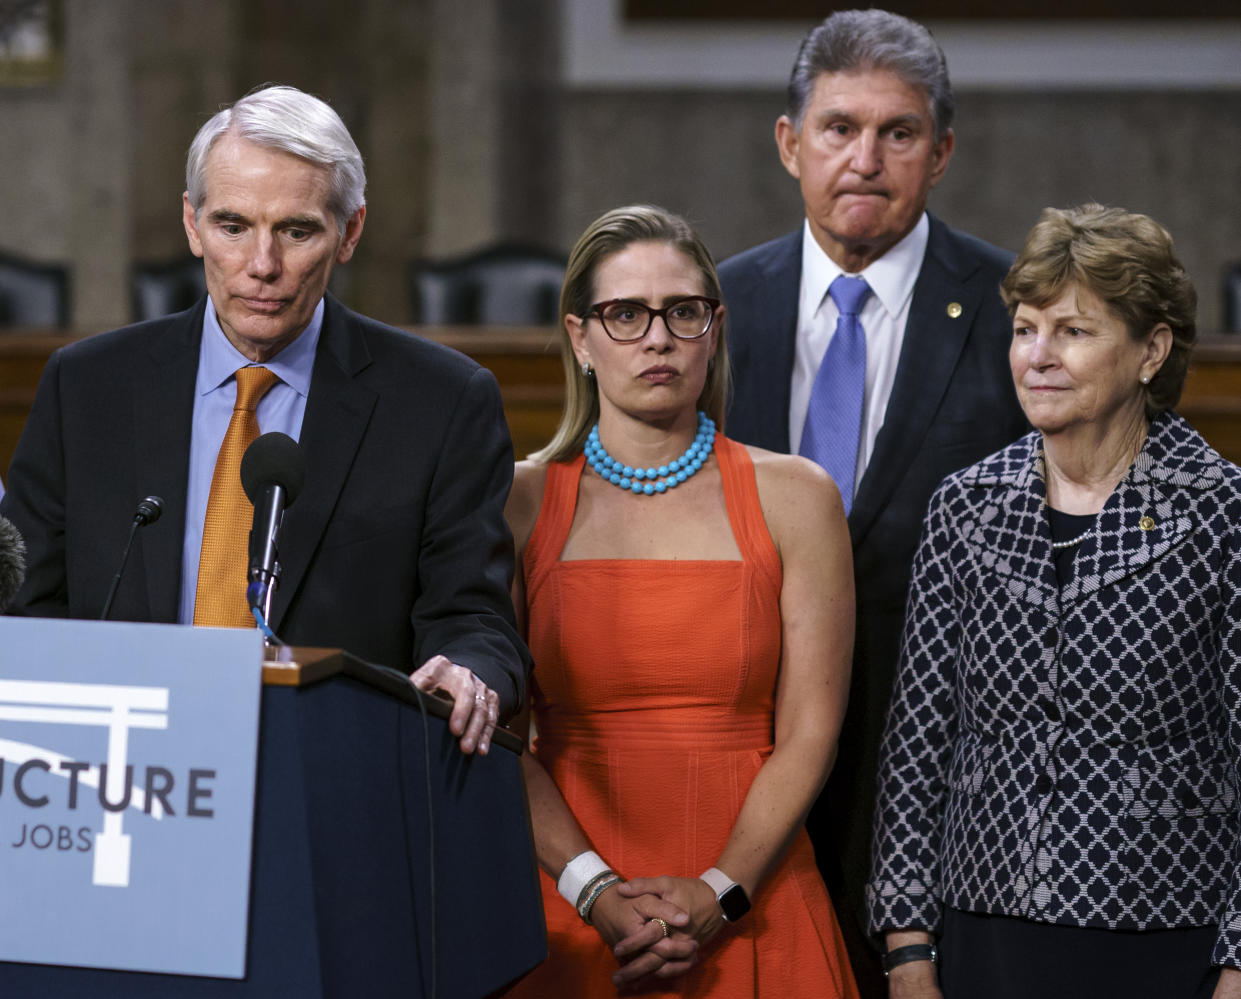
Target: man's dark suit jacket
{"x":396,"y":549}
{"x":952,"y":403}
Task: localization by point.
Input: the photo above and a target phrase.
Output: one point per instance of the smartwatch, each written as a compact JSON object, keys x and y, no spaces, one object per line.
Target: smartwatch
{"x":734,"y":902}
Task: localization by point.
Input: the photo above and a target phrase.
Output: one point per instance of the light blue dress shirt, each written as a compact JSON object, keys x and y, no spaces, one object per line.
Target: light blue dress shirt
{"x":215,"y":392}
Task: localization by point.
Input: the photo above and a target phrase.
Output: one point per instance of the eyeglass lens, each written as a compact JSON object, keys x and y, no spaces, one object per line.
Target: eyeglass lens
{"x":687,"y":318}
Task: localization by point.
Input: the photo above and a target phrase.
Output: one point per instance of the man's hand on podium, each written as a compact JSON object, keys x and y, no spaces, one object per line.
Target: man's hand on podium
{"x":476,"y":707}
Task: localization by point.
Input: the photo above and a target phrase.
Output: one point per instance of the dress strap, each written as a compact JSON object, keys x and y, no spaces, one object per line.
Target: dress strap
{"x":551,"y":528}
{"x":745,"y":512}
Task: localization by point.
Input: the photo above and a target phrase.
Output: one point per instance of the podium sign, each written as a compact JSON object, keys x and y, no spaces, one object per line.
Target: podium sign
{"x":127,"y":772}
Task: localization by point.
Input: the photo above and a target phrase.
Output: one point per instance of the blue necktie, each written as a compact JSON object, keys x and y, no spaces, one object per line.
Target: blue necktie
{"x":834,"y":418}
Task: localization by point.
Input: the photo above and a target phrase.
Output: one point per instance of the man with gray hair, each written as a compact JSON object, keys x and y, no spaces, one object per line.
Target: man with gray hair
{"x":396,"y":547}
{"x":873,"y":340}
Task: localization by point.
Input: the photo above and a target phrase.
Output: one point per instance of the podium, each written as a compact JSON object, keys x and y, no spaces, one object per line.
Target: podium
{"x":385,"y":861}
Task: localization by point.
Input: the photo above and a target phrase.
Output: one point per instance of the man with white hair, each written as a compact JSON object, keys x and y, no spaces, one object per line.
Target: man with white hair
{"x":395,"y":549}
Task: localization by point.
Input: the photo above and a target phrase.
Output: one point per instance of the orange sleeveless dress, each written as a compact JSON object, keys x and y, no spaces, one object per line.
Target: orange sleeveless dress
{"x":653,"y":694}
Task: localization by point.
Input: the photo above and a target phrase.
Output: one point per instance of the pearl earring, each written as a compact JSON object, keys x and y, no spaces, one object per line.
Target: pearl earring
{"x":1145,"y":379}
{"x":587,"y":370}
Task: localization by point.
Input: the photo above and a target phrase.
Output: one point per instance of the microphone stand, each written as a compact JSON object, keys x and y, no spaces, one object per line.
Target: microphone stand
{"x":148,"y":512}
{"x":116,"y":580}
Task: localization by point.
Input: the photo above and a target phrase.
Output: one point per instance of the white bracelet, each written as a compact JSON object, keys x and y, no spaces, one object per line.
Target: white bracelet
{"x":578,"y":873}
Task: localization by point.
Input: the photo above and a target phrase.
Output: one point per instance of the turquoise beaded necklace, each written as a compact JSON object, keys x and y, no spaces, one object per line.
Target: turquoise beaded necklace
{"x":650,"y":481}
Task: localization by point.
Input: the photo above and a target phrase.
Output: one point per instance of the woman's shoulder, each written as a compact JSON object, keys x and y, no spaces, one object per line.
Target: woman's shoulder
{"x":529,"y":474}
{"x":793,"y":490}
{"x":789,"y":472}
{"x":525,"y":499}
{"x":1011,"y":463}
{"x":1180,"y":454}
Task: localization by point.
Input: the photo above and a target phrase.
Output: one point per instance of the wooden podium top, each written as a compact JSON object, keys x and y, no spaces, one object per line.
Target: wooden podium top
{"x":302,"y":665}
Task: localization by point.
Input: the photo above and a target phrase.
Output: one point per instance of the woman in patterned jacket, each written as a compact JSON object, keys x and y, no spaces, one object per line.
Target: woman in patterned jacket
{"x":1058,"y":812}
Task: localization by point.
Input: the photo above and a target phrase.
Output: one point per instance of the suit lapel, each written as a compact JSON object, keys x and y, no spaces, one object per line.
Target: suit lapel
{"x":1010,"y":537}
{"x":1144,"y":518}
{"x":929,"y":351}
{"x":1146,"y":515}
{"x":338,"y":411}
{"x":768,"y":357}
{"x":784,"y":279}
{"x":163,"y":412}
{"x":1119,"y":547}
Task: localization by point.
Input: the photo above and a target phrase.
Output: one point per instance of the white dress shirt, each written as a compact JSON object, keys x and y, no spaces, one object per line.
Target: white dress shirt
{"x":884,"y":316}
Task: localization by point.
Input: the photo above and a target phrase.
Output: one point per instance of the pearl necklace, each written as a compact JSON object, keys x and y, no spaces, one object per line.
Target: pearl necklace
{"x":649,"y":481}
{"x":1057,"y":546}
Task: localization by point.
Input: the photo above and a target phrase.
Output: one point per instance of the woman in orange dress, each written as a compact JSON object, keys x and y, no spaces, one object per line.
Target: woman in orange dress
{"x":689,"y":604}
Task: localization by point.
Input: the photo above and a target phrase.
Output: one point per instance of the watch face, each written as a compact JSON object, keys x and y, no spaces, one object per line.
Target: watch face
{"x":735,"y":903}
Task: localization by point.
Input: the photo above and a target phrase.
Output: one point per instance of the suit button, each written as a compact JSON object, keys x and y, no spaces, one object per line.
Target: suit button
{"x":1052,"y":710}
{"x":1043,"y":784}
{"x":1051,"y":638}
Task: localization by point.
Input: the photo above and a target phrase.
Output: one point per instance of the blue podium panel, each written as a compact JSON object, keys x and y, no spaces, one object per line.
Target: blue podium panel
{"x":386,"y":863}
{"x":125,"y":818}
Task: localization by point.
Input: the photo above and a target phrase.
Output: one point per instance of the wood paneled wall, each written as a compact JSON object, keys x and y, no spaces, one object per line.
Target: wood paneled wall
{"x":527,"y":364}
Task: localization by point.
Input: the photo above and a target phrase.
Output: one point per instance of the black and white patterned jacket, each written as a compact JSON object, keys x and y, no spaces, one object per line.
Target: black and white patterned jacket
{"x":1070,"y":757}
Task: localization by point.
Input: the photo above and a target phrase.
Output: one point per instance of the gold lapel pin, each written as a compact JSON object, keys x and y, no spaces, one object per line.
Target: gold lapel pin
{"x":954,"y":310}
{"x":1147,"y":523}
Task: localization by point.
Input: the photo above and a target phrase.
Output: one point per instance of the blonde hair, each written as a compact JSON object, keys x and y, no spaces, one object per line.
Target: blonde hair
{"x":1125,"y":259}
{"x":609,"y":234}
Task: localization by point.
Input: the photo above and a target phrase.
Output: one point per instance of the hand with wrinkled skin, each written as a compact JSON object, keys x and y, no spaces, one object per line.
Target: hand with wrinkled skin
{"x":691,"y":895}
{"x":627,"y":925}
{"x":1229,"y":984}
{"x":915,"y":980}
{"x":476,"y":707}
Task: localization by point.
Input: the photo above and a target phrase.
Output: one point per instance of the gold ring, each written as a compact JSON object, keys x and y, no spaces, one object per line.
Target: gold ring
{"x":664,"y":926}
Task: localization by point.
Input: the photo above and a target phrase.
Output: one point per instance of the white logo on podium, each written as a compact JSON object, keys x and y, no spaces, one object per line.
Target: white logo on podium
{"x":116,"y":708}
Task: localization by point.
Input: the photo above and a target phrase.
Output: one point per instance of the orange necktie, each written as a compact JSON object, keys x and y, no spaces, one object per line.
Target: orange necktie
{"x":221,"y":595}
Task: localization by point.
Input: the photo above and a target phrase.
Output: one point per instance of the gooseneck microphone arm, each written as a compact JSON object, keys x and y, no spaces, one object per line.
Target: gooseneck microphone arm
{"x":148,"y":512}
{"x":273,"y":470}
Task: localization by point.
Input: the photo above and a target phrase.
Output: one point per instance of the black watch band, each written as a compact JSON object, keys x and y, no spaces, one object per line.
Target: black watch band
{"x":912,"y":952}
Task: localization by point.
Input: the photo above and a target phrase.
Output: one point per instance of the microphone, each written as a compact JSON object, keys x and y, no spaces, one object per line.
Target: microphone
{"x":273,"y":470}
{"x":148,"y":512}
{"x":12,"y":562}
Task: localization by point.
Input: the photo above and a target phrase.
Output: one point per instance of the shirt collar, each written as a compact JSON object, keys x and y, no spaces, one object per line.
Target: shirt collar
{"x":891,"y":278}
{"x":218,"y":358}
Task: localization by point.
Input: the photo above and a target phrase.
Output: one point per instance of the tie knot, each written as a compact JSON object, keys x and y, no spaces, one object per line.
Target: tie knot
{"x":252,"y":385}
{"x":849,"y":294}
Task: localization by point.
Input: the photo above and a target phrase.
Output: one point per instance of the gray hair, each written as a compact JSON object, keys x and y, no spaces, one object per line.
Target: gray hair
{"x":288,"y":120}
{"x":854,"y":40}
